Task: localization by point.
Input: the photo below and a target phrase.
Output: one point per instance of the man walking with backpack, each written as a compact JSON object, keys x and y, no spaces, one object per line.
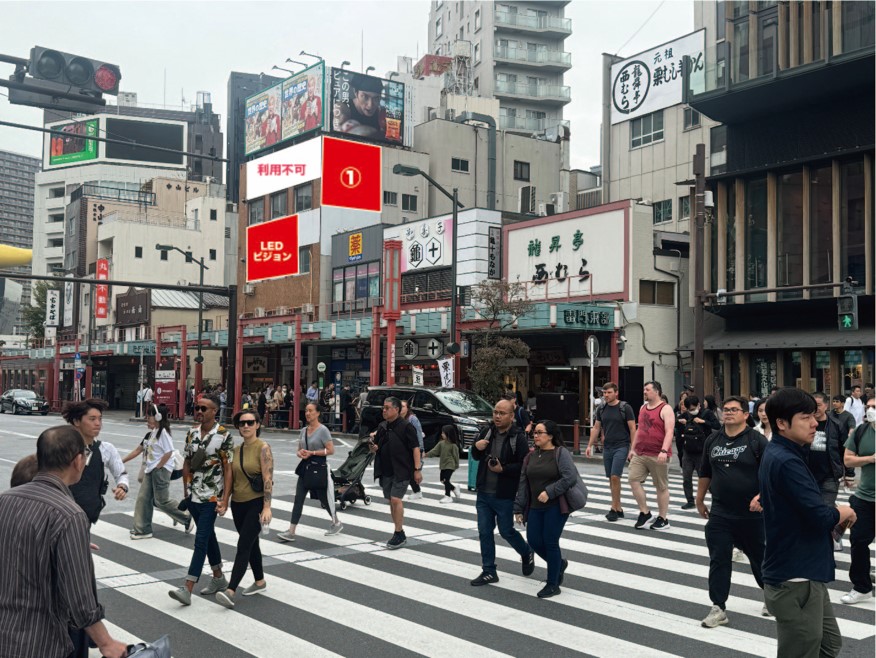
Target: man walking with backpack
{"x":616,"y":419}
{"x":697,"y":424}
{"x":729,"y":471}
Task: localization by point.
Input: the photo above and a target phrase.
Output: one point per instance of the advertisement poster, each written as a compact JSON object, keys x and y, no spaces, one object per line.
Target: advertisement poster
{"x":302,"y":102}
{"x":272,"y":249}
{"x":101,"y":292}
{"x":368,"y":107}
{"x":262,"y":117}
{"x":288,"y":167}
{"x":165,"y":387}
{"x":351,"y":174}
{"x":426,"y":243}
{"x":74,"y":146}
{"x":68,"y":304}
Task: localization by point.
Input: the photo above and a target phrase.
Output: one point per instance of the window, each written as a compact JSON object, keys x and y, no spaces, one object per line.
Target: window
{"x":853,"y":219}
{"x":199,"y":143}
{"x":163,"y":255}
{"x":138,"y":252}
{"x":212,"y":254}
{"x":278,"y":204}
{"x":477,"y":53}
{"x":821,"y":229}
{"x":663,"y":211}
{"x":460,"y":165}
{"x":691,"y":118}
{"x":740,"y":51}
{"x":304,"y":197}
{"x":256,"y":211}
{"x":477,"y":20}
{"x":857,"y":22}
{"x":56,"y":192}
{"x":303,"y":260}
{"x":661,"y":293}
{"x":718,"y":150}
{"x":214,"y":215}
{"x":521,"y":170}
{"x":409,"y":202}
{"x":756,"y":233}
{"x":646,"y":129}
{"x":789,"y":233}
{"x":438,"y":29}
{"x":683,"y":207}
{"x":720,"y":20}
{"x":390,"y":198}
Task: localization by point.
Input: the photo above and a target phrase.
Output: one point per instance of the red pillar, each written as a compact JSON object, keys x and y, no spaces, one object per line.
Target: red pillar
{"x":390,"y":352}
{"x":391,"y":300}
{"x":375,"y":347}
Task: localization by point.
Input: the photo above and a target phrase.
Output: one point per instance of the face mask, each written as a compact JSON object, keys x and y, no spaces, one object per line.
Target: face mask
{"x":694,"y":412}
{"x":871,"y":414}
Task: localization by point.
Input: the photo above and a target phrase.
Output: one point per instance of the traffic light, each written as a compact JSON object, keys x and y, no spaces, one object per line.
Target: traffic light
{"x":847,"y":312}
{"x":88,"y":76}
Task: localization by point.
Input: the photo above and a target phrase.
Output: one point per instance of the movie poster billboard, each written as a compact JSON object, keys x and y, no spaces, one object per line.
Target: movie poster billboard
{"x":368,"y":107}
{"x":73,"y":145}
{"x":302,"y":102}
{"x":262,"y":119}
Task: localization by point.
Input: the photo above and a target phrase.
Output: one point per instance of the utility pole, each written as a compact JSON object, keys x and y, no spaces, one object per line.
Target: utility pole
{"x":699,"y":170}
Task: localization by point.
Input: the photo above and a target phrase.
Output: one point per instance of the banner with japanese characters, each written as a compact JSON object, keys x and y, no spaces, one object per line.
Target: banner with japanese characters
{"x":653,"y":80}
{"x":101,"y":291}
{"x":53,"y":307}
{"x":417,"y":375}
{"x":272,"y":249}
{"x":426,"y":243}
{"x":283,"y":169}
{"x":445,"y":369}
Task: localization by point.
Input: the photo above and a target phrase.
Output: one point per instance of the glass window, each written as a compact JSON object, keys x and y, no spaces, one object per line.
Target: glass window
{"x":138,"y":252}
{"x":683,"y":207}
{"x":789,"y":259}
{"x":691,"y":118}
{"x":460,"y":165}
{"x":304,"y":260}
{"x":438,"y":29}
{"x":214,"y":215}
{"x":661,"y":293}
{"x":477,"y":20}
{"x":256,"y":211}
{"x":740,"y":51}
{"x":337,"y":284}
{"x":278,"y":204}
{"x":852,"y":220}
{"x":350,"y":283}
{"x":646,"y":129}
{"x":373,"y":281}
{"x":304,"y":197}
{"x":756,"y":233}
{"x":390,"y":198}
{"x":718,"y":150}
{"x":713,"y":249}
{"x":521,"y":170}
{"x":409,"y":202}
{"x":720,"y":20}
{"x":662,"y":211}
{"x":730,"y":236}
{"x":212,"y":254}
{"x":767,"y":46}
{"x":857,"y":25}
{"x":163,"y":255}
{"x":821,"y":229}
{"x":477,"y":53}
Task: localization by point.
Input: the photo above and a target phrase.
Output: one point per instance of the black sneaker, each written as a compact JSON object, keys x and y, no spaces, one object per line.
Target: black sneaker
{"x":527,"y":563}
{"x":688,"y":506}
{"x":548,"y":591}
{"x":642,"y":520}
{"x":485,"y":578}
{"x":612,"y":516}
{"x":563,"y":568}
{"x":397,"y":540}
{"x":660,"y":524}
{"x":620,"y":513}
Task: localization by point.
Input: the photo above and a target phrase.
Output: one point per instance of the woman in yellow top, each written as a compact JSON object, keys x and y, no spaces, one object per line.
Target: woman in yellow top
{"x":253,"y":483}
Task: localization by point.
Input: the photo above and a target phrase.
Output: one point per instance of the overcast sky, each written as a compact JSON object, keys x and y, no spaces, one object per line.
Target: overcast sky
{"x":199,"y":43}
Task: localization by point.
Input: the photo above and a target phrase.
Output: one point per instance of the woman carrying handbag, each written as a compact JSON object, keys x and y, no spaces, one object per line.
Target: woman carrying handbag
{"x":314,"y":446}
{"x":550,"y":489}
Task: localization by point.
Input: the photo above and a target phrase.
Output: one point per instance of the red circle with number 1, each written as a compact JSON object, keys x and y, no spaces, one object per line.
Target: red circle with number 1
{"x":351,"y":177}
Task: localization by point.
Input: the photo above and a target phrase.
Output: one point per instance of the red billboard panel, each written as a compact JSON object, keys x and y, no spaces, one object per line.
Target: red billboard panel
{"x":272,"y":249}
{"x":101,"y":293}
{"x":351,"y":175}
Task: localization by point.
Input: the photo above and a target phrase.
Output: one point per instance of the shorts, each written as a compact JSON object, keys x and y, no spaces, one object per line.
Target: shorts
{"x":393,"y":488}
{"x":615,"y":457}
{"x":641,"y":467}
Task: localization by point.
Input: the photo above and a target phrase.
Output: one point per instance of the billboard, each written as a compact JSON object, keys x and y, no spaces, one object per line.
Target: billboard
{"x":262,"y":116}
{"x":132,"y":308}
{"x":101,"y":303}
{"x":163,"y":134}
{"x":653,"y":80}
{"x":272,"y":249}
{"x":368,"y":107}
{"x":351,"y":175}
{"x":283,"y":169}
{"x":425,"y":243}
{"x":73,"y":146}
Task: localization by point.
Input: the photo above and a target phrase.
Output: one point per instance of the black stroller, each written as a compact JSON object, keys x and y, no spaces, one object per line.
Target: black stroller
{"x":348,"y":476}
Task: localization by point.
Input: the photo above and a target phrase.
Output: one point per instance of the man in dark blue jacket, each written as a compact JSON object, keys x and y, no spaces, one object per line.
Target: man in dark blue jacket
{"x":499,"y":450}
{"x":798,"y":560}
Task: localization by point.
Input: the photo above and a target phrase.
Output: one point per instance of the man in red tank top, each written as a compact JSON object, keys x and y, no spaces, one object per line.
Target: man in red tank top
{"x":651,"y":452}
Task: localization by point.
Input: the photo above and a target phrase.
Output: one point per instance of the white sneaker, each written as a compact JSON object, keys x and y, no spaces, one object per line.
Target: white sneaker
{"x":856,"y":597}
{"x":445,"y":500}
{"x":738,"y":555}
{"x":715,"y":618}
{"x":414,"y":496}
{"x":457,"y":492}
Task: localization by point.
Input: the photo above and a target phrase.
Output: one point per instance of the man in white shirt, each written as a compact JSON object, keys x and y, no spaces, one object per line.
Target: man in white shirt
{"x":855,"y":405}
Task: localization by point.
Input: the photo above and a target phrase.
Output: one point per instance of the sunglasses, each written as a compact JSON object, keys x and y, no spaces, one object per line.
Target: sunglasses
{"x":248,"y":422}
{"x":202,"y":408}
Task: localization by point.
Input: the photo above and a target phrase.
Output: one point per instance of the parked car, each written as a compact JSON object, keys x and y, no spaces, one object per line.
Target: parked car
{"x":19,"y":401}
{"x":435,"y":407}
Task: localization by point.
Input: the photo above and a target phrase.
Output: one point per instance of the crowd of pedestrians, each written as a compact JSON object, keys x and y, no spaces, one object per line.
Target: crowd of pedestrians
{"x":773,"y":469}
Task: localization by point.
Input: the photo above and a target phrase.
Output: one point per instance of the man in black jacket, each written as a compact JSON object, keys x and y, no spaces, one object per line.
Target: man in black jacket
{"x":826,"y":455}
{"x":499,"y":450}
{"x":696,"y":424}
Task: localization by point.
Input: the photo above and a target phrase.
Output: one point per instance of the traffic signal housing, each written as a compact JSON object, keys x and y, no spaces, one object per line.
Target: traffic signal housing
{"x":847,"y":312}
{"x":88,"y":76}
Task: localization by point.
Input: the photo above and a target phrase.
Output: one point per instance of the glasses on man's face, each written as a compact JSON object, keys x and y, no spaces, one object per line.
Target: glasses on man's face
{"x":249,"y":422}
{"x":203,"y":409}
{"x":732,"y":410}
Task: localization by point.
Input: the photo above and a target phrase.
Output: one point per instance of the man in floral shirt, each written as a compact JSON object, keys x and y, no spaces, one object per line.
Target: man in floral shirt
{"x":207,"y":475}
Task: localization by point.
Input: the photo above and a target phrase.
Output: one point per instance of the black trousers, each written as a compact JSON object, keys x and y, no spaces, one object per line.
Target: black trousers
{"x":860,"y":538}
{"x":690,"y":462}
{"x":721,"y":535}
{"x":301,"y":494}
{"x":248,"y":525}
{"x":445,"y":475}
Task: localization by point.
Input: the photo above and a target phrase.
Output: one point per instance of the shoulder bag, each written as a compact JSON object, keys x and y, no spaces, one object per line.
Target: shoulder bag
{"x":576,"y":495}
{"x":313,"y":470}
{"x":257,"y":482}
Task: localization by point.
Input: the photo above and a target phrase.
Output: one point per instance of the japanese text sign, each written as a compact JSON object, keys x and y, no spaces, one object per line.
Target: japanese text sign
{"x":354,"y":251}
{"x":53,"y":307}
{"x":352,"y":175}
{"x":101,"y":292}
{"x":272,"y":249}
{"x":283,"y":169}
{"x":445,"y":369}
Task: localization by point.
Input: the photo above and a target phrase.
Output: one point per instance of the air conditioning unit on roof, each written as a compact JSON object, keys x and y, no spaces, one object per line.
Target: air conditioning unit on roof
{"x":260,"y":311}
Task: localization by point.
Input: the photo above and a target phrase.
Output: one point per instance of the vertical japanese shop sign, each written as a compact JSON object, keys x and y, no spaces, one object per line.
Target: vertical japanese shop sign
{"x":101,"y":300}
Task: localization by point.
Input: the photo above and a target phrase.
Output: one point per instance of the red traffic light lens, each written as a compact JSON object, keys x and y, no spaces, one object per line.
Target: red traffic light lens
{"x":50,"y":64}
{"x":106,"y":78}
{"x":79,"y":71}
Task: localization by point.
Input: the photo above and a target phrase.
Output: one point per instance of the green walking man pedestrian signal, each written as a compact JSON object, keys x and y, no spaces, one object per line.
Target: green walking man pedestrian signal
{"x":847,"y":312}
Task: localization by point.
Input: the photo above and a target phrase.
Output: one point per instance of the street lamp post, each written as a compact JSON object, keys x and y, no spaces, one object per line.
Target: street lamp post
{"x":199,"y":360}
{"x":453,"y":347}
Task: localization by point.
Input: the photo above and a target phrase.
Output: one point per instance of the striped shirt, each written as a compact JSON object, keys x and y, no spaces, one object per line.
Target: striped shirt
{"x":46,"y":574}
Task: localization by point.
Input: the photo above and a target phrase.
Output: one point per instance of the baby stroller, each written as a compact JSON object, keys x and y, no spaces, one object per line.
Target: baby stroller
{"x":348,"y":477}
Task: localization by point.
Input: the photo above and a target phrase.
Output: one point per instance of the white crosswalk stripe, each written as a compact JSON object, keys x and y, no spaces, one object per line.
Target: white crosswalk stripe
{"x":626,"y":592}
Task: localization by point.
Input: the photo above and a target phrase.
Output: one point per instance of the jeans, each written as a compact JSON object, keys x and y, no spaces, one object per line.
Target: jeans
{"x":721,"y":535}
{"x":860,"y":539}
{"x":494,"y":511}
{"x":690,"y":462}
{"x":206,"y":545}
{"x":805,"y":623}
{"x":248,"y":525}
{"x":544,"y":525}
{"x":155,"y":490}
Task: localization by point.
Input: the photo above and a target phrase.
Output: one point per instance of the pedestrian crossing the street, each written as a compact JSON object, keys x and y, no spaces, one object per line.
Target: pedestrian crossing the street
{"x":626,"y":592}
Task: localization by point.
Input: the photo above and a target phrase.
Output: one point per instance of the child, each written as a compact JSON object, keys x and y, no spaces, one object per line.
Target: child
{"x":448,"y":451}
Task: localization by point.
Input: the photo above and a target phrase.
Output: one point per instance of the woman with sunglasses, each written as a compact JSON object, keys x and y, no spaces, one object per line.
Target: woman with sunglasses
{"x":250,"y":505}
{"x":547,"y":473}
{"x":315,"y":443}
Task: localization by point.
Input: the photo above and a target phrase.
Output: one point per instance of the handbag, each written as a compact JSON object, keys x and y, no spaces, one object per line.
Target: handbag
{"x":256,"y":482}
{"x":158,"y":649}
{"x":576,"y":495}
{"x":197,"y":460}
{"x":313,"y":471}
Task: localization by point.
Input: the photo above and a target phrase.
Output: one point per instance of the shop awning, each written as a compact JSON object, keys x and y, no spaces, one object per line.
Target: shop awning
{"x":787,"y":340}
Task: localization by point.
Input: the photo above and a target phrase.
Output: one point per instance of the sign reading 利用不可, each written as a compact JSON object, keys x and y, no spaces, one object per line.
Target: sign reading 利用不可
{"x":272,"y":249}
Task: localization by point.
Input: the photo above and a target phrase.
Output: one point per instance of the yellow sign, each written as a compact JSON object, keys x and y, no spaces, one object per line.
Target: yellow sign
{"x":354,"y":252}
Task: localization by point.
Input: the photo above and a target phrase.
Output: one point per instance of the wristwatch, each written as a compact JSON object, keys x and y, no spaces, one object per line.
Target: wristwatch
{"x":664,"y":452}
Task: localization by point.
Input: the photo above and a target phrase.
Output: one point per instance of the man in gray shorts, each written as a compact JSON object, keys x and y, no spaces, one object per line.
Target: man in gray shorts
{"x":396,"y":464}
{"x":616,"y":419}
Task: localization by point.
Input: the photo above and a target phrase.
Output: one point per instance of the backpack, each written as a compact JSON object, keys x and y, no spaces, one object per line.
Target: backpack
{"x":858,"y":436}
{"x":695,"y":436}
{"x":622,"y":407}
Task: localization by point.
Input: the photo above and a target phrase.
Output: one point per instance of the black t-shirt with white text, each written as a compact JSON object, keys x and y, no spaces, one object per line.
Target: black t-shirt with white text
{"x":614,"y":423}
{"x":732,"y":466}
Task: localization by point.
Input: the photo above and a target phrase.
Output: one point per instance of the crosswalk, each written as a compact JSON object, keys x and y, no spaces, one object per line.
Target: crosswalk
{"x":626,"y":592}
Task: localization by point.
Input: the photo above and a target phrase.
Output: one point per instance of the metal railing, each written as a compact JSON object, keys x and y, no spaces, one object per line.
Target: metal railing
{"x":534,"y":56}
{"x":546,"y":23}
{"x":533,"y":91}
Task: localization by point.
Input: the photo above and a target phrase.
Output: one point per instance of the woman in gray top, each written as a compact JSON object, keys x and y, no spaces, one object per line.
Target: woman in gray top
{"x":314,"y":445}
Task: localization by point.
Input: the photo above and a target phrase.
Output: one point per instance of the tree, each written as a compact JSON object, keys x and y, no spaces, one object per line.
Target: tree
{"x":499,"y":304}
{"x":34,"y":314}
